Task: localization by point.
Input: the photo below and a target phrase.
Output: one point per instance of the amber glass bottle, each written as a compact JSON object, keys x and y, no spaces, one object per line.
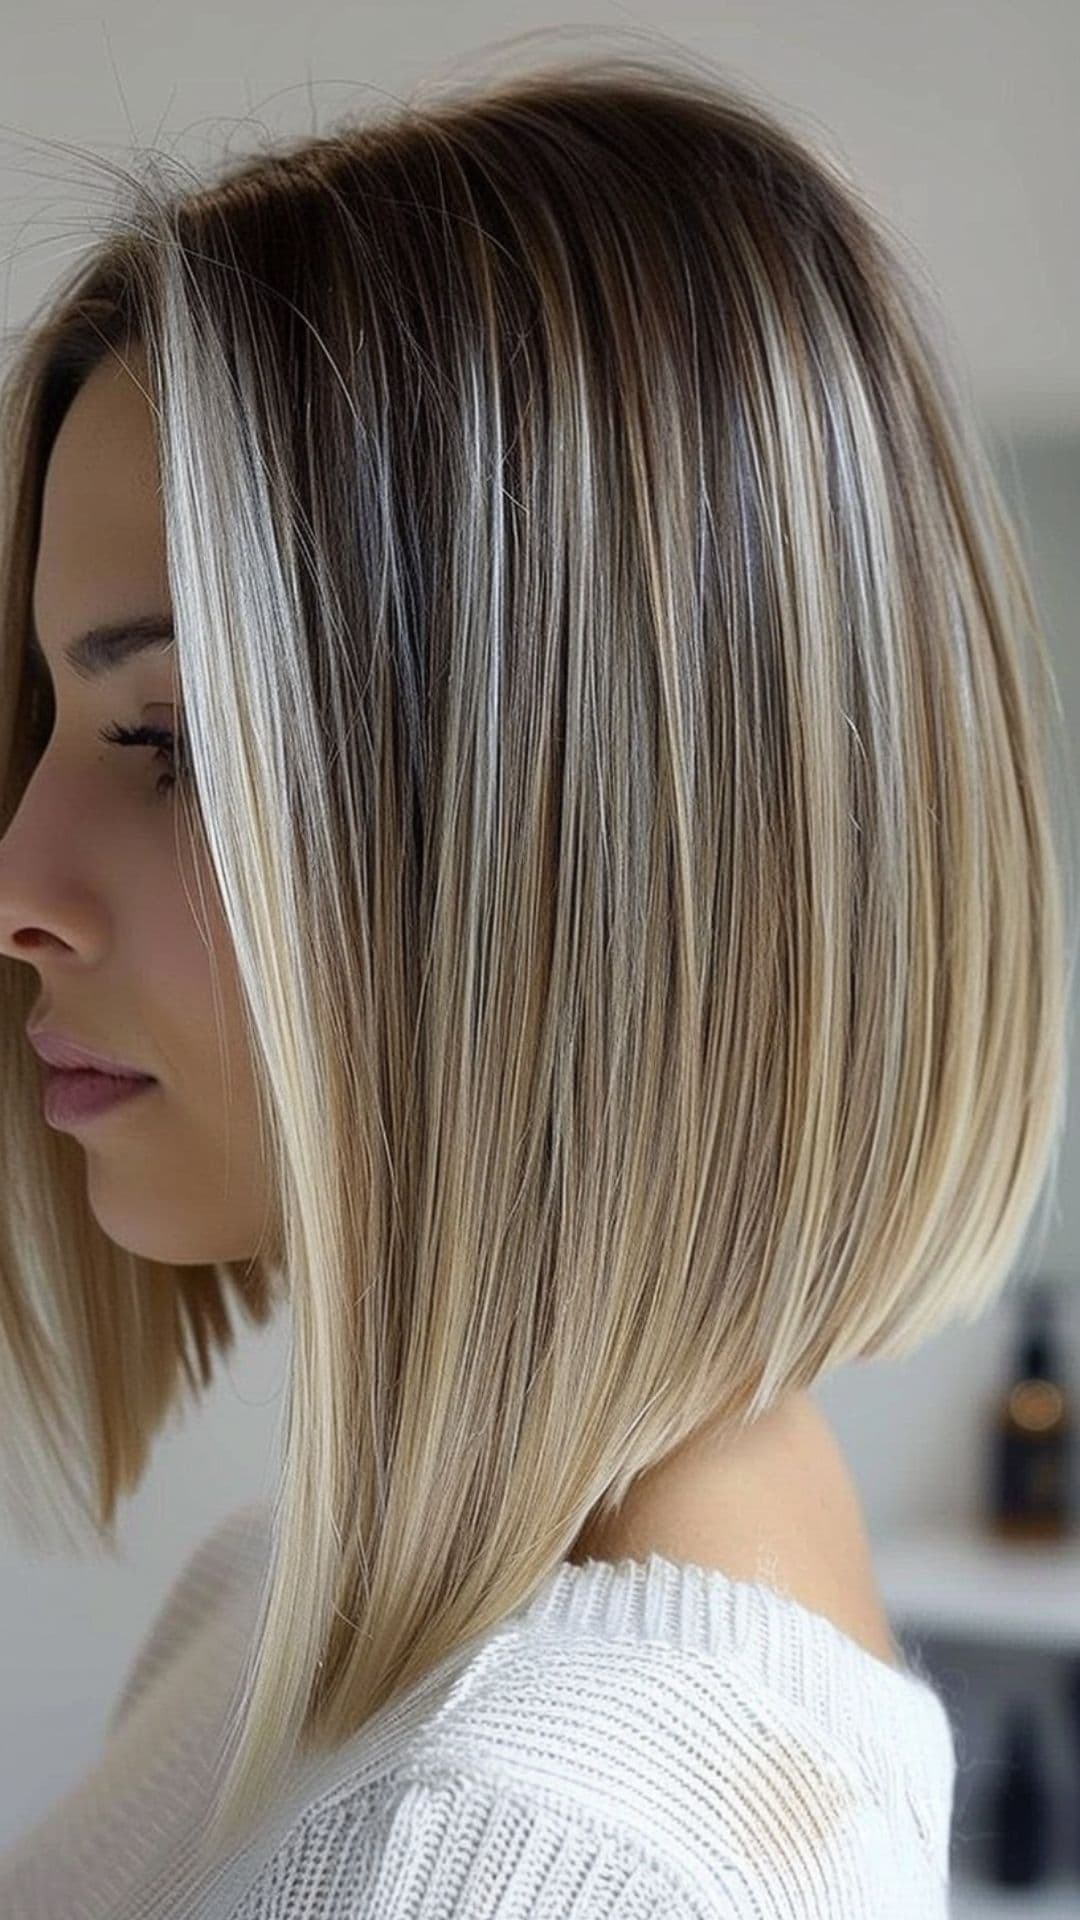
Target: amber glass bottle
{"x":1032,"y":1439}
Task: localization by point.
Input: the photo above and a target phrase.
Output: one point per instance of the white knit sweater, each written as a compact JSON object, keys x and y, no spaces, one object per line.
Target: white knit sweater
{"x":643,"y":1740}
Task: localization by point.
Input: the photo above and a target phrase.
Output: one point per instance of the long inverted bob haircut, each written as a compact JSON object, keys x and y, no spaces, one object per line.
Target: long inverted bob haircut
{"x":621,"y":730}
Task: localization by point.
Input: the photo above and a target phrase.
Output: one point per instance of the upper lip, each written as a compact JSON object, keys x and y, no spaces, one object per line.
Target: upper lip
{"x":60,"y":1051}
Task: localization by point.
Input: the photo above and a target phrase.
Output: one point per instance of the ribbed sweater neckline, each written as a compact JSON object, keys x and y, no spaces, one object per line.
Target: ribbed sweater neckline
{"x":786,"y":1646}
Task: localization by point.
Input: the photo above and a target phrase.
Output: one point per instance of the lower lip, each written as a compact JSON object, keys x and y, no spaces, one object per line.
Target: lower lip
{"x":71,"y":1098}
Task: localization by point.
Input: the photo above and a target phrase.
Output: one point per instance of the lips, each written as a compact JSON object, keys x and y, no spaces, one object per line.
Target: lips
{"x":61,"y":1051}
{"x":73,"y":1098}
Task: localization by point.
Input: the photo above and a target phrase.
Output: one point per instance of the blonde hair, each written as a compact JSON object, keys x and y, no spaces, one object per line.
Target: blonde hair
{"x":619,"y":722}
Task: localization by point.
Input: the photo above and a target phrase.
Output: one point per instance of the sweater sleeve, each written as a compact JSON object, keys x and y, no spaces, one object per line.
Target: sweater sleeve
{"x":462,"y":1847}
{"x":224,"y":1558}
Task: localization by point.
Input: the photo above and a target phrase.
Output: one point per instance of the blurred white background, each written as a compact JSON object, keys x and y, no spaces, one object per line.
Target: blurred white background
{"x":960,"y":125}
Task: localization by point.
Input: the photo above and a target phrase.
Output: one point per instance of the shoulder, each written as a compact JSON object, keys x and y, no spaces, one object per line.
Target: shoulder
{"x":628,"y":1743}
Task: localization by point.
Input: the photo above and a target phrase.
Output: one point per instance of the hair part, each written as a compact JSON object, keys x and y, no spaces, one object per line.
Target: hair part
{"x":620,"y":728}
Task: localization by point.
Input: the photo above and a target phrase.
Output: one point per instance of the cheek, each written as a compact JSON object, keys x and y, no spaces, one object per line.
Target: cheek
{"x":184,"y":957}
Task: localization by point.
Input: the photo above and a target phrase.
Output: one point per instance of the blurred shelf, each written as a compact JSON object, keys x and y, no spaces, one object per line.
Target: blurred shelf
{"x":1060,"y":1901}
{"x":956,"y":1583}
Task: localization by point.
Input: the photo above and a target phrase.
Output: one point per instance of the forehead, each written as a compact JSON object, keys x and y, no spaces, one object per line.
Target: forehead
{"x":101,"y":548}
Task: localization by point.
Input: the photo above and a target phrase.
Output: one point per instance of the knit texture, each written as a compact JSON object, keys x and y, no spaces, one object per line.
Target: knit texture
{"x":642,"y":1739}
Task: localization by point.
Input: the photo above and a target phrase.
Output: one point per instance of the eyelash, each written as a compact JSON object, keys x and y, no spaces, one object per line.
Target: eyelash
{"x":169,"y":749}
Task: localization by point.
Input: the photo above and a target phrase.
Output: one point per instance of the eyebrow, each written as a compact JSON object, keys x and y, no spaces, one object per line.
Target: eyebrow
{"x":103,"y":648}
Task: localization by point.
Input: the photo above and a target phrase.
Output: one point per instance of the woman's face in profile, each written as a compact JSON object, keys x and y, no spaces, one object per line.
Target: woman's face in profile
{"x":102,"y":890}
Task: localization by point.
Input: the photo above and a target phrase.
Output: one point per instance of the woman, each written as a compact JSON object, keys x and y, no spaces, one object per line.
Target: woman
{"x":523,"y":702}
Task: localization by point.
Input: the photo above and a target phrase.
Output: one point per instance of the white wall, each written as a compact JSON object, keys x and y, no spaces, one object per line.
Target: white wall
{"x":960,"y":124}
{"x":959,"y":121}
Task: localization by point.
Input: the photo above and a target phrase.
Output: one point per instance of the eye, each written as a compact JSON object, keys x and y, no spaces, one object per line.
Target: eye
{"x":168,"y":749}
